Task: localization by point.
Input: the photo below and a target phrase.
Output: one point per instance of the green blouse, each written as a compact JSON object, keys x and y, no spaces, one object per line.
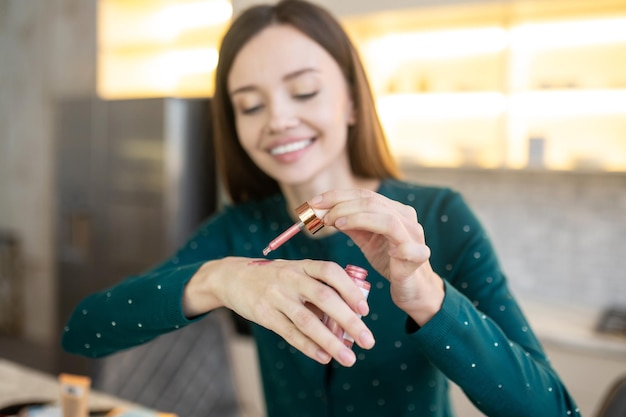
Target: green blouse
{"x":479,"y":339}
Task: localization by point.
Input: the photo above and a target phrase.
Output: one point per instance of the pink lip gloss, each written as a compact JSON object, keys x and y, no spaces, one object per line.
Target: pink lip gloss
{"x":308,"y":219}
{"x":358,"y":275}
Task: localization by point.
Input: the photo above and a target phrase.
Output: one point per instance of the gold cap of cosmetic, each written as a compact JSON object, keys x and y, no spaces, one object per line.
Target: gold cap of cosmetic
{"x":312,"y":223}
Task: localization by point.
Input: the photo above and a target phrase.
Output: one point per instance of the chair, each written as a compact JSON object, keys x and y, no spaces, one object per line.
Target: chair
{"x":186,"y":372}
{"x":614,"y":403}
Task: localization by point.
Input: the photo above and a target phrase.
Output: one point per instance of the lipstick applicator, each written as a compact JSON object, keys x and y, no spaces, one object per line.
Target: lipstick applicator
{"x":308,"y":219}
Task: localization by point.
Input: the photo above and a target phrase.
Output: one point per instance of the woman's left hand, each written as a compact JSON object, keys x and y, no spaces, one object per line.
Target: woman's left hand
{"x":392,"y":239}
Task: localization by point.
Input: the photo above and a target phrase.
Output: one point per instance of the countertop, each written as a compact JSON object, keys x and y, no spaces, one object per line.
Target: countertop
{"x":19,"y":384}
{"x":573,"y":328}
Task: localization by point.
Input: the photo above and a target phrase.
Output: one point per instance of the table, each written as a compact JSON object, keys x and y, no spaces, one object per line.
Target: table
{"x":19,"y":384}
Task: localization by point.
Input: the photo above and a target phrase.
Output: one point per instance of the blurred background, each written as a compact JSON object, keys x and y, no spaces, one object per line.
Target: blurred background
{"x":519,"y":104}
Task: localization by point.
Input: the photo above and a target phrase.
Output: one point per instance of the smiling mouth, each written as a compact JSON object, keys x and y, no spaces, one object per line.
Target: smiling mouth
{"x":290,"y":147}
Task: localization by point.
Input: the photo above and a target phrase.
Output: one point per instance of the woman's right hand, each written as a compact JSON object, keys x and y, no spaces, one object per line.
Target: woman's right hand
{"x":287,"y":297}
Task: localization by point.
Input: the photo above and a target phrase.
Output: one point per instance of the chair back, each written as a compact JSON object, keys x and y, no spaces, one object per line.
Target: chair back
{"x":614,"y":403}
{"x":186,"y":372}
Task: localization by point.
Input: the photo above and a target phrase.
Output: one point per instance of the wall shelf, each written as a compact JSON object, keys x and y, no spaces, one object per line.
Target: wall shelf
{"x":501,"y":84}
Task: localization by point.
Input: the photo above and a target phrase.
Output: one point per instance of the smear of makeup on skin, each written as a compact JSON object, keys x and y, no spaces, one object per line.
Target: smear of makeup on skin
{"x":260,"y":261}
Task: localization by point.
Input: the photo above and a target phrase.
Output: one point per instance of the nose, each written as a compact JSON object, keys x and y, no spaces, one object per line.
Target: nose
{"x":282,"y":116}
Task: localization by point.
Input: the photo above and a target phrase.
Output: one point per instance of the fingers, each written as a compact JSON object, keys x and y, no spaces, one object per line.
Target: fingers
{"x":340,"y":299}
{"x":296,"y":296}
{"x":290,"y":331}
{"x":392,"y":227}
{"x":330,"y":199}
{"x":337,"y":283}
{"x":361,"y":209}
{"x":411,"y":252}
{"x":307,"y":333}
{"x":304,"y":330}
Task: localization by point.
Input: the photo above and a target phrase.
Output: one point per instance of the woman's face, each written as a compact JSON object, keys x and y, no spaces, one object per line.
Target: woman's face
{"x":292,"y":106}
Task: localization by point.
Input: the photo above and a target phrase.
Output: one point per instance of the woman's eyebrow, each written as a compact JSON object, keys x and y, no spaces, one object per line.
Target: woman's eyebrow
{"x":298,"y":73}
{"x":287,"y":77}
{"x":245,"y":88}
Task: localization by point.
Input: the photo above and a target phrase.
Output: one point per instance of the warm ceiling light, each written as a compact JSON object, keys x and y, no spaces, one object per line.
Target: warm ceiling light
{"x":441,"y":105}
{"x":438,"y":44}
{"x":156,"y":49}
{"x":569,"y":103}
{"x":575,"y":33}
{"x":177,"y":18}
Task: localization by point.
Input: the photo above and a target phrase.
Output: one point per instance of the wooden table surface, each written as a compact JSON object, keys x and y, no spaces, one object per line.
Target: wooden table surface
{"x":19,"y":384}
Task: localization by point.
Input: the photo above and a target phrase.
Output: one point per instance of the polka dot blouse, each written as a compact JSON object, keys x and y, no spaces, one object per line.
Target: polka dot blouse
{"x":479,"y":339}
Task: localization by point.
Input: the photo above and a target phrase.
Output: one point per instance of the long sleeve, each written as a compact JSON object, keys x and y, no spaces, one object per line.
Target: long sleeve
{"x":500,"y":376}
{"x":131,"y":313}
{"x":142,"y":307}
{"x":480,"y":339}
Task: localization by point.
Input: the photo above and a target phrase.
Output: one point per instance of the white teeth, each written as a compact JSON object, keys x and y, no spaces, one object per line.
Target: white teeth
{"x":290,"y":147}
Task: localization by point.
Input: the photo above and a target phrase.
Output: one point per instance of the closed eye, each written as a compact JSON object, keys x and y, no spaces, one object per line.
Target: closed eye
{"x":252,"y":110}
{"x":305,"y":96}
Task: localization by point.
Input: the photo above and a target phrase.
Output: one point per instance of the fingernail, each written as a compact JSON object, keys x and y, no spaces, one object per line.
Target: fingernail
{"x":367,"y":340}
{"x":363,"y":308}
{"x":323,"y":356}
{"x":316,"y":200}
{"x":347,"y":357}
{"x":340,"y":222}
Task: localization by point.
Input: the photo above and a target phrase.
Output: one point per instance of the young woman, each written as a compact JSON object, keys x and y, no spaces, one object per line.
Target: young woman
{"x":295,"y":122}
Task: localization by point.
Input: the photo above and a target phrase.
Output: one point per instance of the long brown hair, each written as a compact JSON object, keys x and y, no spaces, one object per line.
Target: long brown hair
{"x":367,"y":147}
